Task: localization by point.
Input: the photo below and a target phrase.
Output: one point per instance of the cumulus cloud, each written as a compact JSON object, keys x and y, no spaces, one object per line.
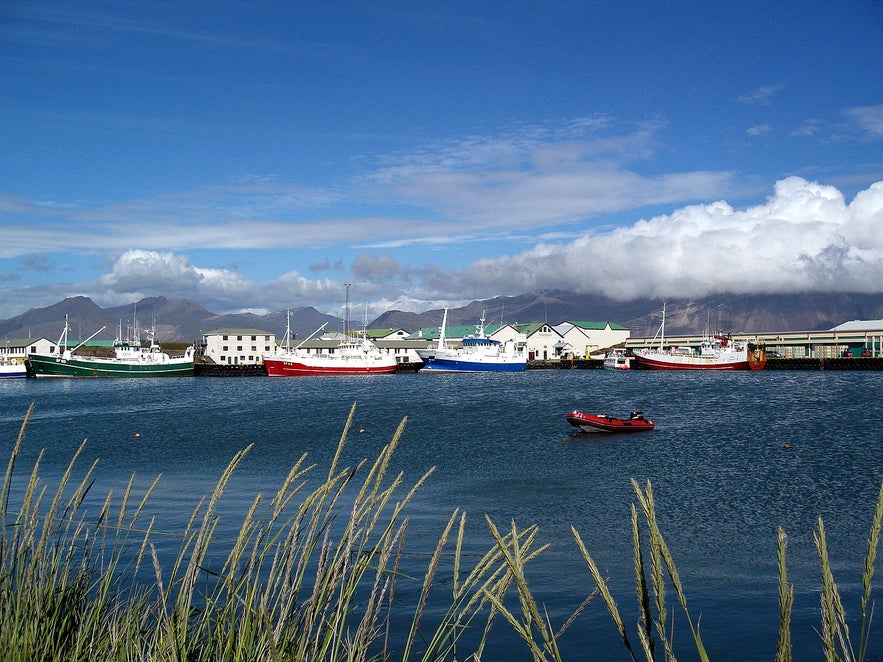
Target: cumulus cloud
{"x":146,"y":271}
{"x":803,"y":238}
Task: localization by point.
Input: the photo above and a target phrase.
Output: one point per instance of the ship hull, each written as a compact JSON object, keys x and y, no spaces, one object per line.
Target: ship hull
{"x":51,"y":366}
{"x":440,"y":364}
{"x":12,"y":369}
{"x":282,"y":368}
{"x":650,"y":361}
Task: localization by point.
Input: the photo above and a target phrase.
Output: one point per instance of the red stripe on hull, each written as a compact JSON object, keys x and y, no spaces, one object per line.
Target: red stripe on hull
{"x":282,"y":369}
{"x":647,"y":364}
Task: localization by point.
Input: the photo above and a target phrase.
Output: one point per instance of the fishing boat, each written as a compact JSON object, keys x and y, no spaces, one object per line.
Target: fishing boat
{"x":715,"y":352}
{"x":477,"y":353}
{"x":355,"y":355}
{"x":130,"y":359}
{"x":11,"y":367}
{"x":606,"y":423}
{"x":616,"y":360}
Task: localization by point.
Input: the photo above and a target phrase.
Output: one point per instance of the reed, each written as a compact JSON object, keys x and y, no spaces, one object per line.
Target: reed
{"x":313,"y":574}
{"x":835,"y":637}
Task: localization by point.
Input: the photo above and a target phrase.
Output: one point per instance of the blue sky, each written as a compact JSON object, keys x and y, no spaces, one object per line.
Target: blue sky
{"x":259,"y":157}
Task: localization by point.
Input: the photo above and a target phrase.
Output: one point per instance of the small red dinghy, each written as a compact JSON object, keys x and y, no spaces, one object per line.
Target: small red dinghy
{"x":606,"y":423}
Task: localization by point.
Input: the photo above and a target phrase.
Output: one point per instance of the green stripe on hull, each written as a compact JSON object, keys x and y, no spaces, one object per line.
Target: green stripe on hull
{"x":51,"y":367}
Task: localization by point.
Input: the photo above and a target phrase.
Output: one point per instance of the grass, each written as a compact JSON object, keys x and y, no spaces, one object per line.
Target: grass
{"x":314,"y":574}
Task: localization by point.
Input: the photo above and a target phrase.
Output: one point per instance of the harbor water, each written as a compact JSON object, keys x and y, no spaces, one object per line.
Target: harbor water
{"x":733,"y":456}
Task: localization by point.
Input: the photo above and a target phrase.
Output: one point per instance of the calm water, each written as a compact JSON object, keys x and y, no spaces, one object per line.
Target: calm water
{"x":722,"y":476}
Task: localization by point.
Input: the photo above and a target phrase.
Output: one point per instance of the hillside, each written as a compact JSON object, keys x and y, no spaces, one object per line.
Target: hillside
{"x":184,"y":321}
{"x":736,"y":313}
{"x":176,"y":320}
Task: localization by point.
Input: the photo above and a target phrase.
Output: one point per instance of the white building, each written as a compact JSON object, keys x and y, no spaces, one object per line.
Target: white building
{"x":544,"y":343}
{"x":238,"y":346}
{"x":19,"y":348}
{"x":587,"y":338}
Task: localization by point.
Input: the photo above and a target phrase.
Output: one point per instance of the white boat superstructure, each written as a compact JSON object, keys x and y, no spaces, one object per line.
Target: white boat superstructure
{"x":717,"y":352}
{"x":355,"y":355}
{"x":477,"y":353}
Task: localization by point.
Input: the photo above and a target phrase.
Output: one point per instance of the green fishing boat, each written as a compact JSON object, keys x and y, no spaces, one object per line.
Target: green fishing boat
{"x":131,"y":359}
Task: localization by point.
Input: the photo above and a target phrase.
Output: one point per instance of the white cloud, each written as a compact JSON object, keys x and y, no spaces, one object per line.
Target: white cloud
{"x":761,"y":95}
{"x":868,"y":118}
{"x":803,"y":238}
{"x":810,"y":127}
{"x":536,"y":178}
{"x":145,"y":271}
{"x":759,"y":130}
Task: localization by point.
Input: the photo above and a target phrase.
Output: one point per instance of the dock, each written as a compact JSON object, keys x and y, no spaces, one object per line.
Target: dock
{"x":225,"y":370}
{"x":773,"y":363}
{"x":823,"y":363}
{"x":566,"y":364}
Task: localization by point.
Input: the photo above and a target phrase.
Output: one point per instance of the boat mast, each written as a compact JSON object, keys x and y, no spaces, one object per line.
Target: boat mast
{"x":346,"y":315}
{"x":287,"y":340}
{"x":63,"y":337}
{"x":441,"y":333}
{"x":662,"y":327}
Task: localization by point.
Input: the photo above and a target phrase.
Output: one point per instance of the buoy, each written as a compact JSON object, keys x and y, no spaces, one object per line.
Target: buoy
{"x":361,"y":430}
{"x":137,"y":435}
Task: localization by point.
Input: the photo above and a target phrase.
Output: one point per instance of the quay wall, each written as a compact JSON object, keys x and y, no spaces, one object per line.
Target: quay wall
{"x":224,"y":370}
{"x":822,"y":363}
{"x":566,"y":364}
{"x":773,"y":363}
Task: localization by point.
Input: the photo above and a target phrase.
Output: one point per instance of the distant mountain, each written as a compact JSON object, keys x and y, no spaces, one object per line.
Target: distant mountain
{"x":176,"y":321}
{"x":184,"y":321}
{"x":727,"y":312}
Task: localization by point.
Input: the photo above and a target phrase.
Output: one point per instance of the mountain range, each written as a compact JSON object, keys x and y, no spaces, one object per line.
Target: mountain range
{"x":184,"y":321}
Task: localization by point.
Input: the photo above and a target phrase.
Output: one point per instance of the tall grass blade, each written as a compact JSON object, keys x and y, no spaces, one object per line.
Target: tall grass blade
{"x":786,"y":601}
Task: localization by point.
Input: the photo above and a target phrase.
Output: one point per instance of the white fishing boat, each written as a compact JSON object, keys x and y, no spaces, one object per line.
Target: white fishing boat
{"x":477,"y":353}
{"x":12,"y":367}
{"x":355,"y":355}
{"x":715,"y":352}
{"x":616,"y":360}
